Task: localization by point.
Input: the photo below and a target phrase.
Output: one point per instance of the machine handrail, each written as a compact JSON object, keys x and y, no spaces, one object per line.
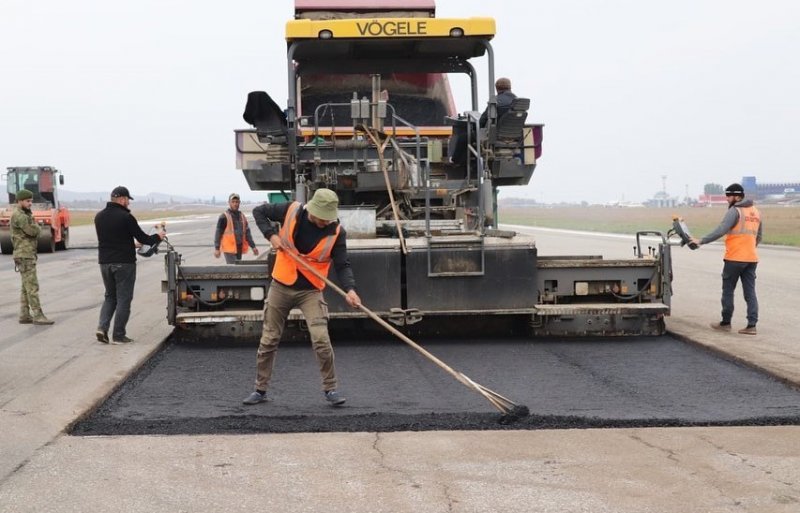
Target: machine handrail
{"x":641,"y":233}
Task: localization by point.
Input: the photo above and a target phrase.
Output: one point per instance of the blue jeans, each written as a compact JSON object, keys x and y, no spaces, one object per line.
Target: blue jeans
{"x":732,"y":272}
{"x":119,"y":280}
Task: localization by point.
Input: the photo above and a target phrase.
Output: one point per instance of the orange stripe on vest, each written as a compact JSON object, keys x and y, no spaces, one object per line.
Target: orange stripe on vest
{"x":319,"y":258}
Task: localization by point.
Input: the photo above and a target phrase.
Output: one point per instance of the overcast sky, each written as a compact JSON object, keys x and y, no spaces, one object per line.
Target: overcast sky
{"x":147,"y":93}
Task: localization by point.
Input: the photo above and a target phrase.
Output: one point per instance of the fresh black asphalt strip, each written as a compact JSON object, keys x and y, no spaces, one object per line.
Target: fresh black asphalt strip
{"x":625,"y":382}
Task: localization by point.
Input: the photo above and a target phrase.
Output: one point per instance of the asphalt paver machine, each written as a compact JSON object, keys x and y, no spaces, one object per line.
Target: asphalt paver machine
{"x":371,"y":115}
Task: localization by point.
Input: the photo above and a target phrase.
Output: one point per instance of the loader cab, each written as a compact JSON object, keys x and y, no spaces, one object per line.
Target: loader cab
{"x":48,"y":211}
{"x":41,"y":181}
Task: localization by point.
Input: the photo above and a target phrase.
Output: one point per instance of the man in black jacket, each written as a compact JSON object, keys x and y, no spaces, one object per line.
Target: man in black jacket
{"x":457,"y":146}
{"x":504,"y":99}
{"x":116,"y":229}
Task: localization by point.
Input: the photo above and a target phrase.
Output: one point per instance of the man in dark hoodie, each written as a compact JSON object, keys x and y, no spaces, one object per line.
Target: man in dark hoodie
{"x":232,"y":237}
{"x":116,"y":228}
{"x":742,"y":229}
{"x":457,"y":146}
{"x":504,"y":99}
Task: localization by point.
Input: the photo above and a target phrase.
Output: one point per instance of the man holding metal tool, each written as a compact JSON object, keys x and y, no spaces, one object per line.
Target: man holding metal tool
{"x":742,"y":229}
{"x":116,"y":230}
{"x":313,"y":233}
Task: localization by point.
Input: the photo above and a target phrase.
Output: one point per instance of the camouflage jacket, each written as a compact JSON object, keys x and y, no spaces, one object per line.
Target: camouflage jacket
{"x":24,"y":233}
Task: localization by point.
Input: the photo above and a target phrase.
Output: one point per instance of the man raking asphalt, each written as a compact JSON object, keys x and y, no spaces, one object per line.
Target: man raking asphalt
{"x":510,"y":410}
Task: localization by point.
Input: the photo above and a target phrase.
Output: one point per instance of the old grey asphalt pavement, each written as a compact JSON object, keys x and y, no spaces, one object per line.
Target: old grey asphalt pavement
{"x":51,"y":376}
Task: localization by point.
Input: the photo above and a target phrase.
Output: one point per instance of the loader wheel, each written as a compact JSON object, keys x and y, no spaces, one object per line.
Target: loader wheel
{"x":5,"y":245}
{"x":46,"y":242}
{"x":64,"y":244}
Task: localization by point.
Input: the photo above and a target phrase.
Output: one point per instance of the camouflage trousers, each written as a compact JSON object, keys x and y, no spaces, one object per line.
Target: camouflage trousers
{"x":29,"y":294}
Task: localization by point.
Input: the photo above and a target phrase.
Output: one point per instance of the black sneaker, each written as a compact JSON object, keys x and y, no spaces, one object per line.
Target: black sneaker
{"x":255,"y":398}
{"x":102,"y":336}
{"x":122,"y":340}
{"x":333,"y":397}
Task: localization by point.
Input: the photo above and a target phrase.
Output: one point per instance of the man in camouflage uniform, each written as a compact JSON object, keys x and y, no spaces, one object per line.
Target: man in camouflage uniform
{"x":24,"y":233}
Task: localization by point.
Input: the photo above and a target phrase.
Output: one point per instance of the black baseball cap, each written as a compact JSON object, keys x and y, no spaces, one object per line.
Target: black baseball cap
{"x":734,"y":189}
{"x":121,"y":192}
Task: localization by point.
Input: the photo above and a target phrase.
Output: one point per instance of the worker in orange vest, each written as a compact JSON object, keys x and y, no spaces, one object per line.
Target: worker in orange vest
{"x":742,"y":229}
{"x":233,"y":233}
{"x":311,"y":231}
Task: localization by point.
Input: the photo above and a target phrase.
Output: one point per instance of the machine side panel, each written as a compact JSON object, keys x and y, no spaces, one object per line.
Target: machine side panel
{"x":378,"y":280}
{"x":508,"y":282}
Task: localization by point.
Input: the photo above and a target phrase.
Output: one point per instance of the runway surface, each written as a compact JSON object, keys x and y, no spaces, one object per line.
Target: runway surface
{"x":631,"y":382}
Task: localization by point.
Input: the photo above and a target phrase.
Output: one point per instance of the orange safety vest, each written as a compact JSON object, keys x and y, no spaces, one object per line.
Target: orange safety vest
{"x":319,"y":258}
{"x":740,"y":242}
{"x":227,"y":242}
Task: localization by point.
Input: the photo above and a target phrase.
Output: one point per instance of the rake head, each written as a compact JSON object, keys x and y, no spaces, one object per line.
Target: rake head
{"x":515,"y":413}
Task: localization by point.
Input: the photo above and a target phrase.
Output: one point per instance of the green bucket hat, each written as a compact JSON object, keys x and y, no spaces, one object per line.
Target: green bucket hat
{"x":24,"y":194}
{"x":324,"y":205}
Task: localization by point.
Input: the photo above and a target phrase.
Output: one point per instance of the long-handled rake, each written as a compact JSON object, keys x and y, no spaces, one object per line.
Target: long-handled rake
{"x":511,"y":411}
